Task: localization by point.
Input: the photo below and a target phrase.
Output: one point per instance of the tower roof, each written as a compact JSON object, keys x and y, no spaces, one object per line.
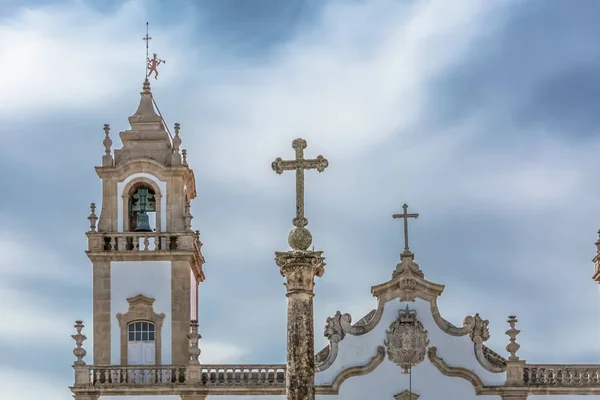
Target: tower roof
{"x":146,"y":117}
{"x":148,"y":136}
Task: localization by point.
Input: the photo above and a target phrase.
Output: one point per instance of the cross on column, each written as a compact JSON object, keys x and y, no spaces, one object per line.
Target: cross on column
{"x":405,"y":215}
{"x":299,"y":164}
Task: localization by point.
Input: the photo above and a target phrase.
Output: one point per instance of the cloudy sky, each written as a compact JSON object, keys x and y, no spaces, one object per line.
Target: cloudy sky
{"x":482,"y":116}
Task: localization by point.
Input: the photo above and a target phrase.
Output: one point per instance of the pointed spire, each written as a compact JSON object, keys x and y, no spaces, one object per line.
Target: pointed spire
{"x":146,"y":117}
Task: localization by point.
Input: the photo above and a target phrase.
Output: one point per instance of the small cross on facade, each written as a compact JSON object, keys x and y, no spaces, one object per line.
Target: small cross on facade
{"x":299,"y":165}
{"x":405,"y":215}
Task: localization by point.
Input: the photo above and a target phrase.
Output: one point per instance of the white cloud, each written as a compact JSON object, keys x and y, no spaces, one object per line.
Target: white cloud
{"x":215,"y":352}
{"x":343,"y":100}
{"x":68,"y":56}
{"x":30,"y":385}
{"x":22,"y":311}
{"x":23,"y":258}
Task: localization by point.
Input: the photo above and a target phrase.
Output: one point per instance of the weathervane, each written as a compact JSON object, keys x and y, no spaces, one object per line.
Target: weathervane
{"x":154,"y":62}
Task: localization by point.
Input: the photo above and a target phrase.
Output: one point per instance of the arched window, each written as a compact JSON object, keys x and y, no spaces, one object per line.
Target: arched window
{"x":142,"y":208}
{"x":140,"y":327}
{"x":141,"y":345}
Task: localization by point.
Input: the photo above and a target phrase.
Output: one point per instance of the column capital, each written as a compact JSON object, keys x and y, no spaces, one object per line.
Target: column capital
{"x":300,"y":267}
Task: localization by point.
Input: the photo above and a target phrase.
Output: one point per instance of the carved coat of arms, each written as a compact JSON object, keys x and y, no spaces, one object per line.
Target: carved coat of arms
{"x":406,"y":340}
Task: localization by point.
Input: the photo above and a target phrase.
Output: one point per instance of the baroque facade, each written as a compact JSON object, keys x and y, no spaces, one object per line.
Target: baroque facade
{"x":146,"y":340}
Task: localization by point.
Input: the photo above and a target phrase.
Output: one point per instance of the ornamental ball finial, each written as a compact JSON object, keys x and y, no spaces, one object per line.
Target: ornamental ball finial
{"x":300,"y":238}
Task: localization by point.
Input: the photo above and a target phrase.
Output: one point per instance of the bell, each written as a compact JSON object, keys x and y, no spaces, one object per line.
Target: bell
{"x":143,"y":223}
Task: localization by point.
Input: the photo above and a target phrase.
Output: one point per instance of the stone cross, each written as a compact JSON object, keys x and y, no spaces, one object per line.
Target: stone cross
{"x":405,"y":215}
{"x":299,"y":165}
{"x":300,"y":237}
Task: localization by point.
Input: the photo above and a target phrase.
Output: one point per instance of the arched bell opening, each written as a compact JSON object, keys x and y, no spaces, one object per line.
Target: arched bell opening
{"x":142,"y":208}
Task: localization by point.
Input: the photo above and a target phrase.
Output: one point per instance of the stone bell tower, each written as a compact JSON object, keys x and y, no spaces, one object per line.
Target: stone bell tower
{"x":147,"y":261}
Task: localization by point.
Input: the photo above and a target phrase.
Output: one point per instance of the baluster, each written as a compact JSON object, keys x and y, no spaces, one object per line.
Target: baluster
{"x":168,"y":242}
{"x":146,"y":242}
{"x":112,"y":244}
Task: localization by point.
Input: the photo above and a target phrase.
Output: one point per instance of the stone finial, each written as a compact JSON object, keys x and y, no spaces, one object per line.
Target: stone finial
{"x":596,"y":260}
{"x":184,"y":154}
{"x":79,"y":351}
{"x":188,"y":217}
{"x":176,"y":156}
{"x":93,"y":217}
{"x":146,"y":86}
{"x":193,"y":336}
{"x":512,"y":332}
{"x":107,"y":159}
{"x":176,"y":139}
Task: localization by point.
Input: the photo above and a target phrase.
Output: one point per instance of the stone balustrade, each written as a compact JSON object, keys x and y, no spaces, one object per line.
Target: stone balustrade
{"x":123,"y":242}
{"x":134,"y":375}
{"x":160,"y":375}
{"x":260,"y":375}
{"x":561,"y":375}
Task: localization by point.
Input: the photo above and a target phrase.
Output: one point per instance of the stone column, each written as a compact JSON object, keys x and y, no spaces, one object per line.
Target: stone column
{"x":180,"y":311}
{"x":300,"y":267}
{"x":101,"y":309}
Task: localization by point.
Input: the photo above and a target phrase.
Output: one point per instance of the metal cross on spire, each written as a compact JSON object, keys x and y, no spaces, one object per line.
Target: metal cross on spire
{"x":405,"y":215}
{"x":154,"y":62}
{"x":299,"y":165}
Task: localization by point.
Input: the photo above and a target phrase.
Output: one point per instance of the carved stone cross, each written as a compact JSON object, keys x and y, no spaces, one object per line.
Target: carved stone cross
{"x":299,"y":164}
{"x":406,"y":216}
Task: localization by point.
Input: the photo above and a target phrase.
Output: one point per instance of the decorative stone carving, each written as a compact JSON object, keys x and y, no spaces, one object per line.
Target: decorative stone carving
{"x":184,"y":155}
{"x":487,"y":358}
{"x":194,"y":336}
{"x":512,"y":333}
{"x":406,"y":340}
{"x":333,"y":328}
{"x":480,"y":329}
{"x":406,"y":395}
{"x":187,"y":216}
{"x":93,"y":217}
{"x":107,"y":159}
{"x":79,"y":351}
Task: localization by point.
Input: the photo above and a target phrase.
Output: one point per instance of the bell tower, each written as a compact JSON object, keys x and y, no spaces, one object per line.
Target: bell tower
{"x":147,"y":261}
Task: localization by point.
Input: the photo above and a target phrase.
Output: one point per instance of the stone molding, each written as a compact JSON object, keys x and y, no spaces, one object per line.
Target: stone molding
{"x":153,"y":167}
{"x":350,"y":372}
{"x":141,"y":308}
{"x":454,"y":372}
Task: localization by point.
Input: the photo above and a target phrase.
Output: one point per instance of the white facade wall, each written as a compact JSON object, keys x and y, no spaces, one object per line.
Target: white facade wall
{"x":152,"y":216}
{"x":130,"y":278}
